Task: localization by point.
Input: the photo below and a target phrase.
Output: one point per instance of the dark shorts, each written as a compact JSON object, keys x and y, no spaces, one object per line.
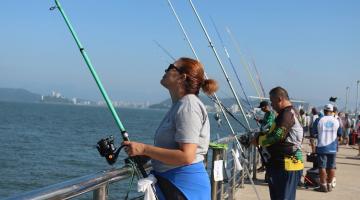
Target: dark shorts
{"x":327,"y":161}
{"x":346,"y":132}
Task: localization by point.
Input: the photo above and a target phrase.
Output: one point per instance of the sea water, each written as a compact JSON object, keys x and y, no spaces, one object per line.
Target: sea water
{"x":44,"y":144}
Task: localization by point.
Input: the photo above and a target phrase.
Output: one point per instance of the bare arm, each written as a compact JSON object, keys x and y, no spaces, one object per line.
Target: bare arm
{"x":183,"y":156}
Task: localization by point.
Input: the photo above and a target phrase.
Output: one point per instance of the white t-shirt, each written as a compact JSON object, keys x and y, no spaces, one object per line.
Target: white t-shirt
{"x":327,"y":134}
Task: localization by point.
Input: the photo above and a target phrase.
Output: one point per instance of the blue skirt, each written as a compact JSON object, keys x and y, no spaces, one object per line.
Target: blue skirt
{"x":192,"y":180}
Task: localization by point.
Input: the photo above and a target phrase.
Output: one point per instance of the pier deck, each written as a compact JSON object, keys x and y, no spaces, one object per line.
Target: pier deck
{"x":347,"y":180}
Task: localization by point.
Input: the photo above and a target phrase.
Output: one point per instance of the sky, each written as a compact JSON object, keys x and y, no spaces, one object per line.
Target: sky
{"x":311,"y":48}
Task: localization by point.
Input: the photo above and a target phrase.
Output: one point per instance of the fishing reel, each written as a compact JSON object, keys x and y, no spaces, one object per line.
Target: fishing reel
{"x":245,"y":140}
{"x":108,"y":150}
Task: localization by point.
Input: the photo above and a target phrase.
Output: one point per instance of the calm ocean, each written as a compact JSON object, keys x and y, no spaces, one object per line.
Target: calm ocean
{"x":44,"y":144}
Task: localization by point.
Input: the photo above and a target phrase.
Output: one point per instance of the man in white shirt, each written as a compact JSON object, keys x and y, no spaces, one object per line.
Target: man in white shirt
{"x":327,"y":132}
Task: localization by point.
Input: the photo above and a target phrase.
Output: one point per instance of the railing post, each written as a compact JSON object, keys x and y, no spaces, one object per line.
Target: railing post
{"x":206,"y":160}
{"x":218,"y":154}
{"x":233,"y":180}
{"x":101,"y":193}
{"x":244,"y":163}
{"x":254,"y":150}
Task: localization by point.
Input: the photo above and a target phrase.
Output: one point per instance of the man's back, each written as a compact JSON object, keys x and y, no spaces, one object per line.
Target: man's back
{"x":327,"y":134}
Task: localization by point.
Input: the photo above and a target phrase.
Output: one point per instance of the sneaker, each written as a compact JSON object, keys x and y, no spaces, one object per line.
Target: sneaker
{"x":329,"y":187}
{"x":322,"y":188}
{"x":333,"y":183}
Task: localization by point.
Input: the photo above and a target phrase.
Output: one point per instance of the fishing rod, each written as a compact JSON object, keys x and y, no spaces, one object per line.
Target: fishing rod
{"x":166,"y":51}
{"x":235,"y":71}
{"x":218,"y":102}
{"x":258,"y":77}
{"x":220,"y":63}
{"x":231,"y":114}
{"x":232,"y":89}
{"x":231,"y":63}
{"x":105,"y":146}
{"x":235,"y":42}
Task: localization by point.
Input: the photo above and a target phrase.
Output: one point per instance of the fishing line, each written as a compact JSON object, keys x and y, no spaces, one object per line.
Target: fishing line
{"x":251,"y":107}
{"x":220,"y":63}
{"x":258,"y":77}
{"x":230,"y":61}
{"x":166,"y":51}
{"x":235,"y":42}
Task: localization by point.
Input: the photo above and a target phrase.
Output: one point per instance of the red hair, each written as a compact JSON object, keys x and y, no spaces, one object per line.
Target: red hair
{"x":195,"y":77}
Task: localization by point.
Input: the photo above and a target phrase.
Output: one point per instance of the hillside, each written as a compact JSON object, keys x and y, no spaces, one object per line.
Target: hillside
{"x":18,"y":95}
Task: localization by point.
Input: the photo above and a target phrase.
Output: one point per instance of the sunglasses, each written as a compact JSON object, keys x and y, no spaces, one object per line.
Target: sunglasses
{"x":172,"y":66}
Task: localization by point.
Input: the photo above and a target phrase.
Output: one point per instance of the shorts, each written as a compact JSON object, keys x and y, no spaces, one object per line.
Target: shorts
{"x":326,"y":161}
{"x":346,"y":132}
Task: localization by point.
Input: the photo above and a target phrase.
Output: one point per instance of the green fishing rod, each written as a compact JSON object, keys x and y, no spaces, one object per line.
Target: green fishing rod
{"x":105,"y":146}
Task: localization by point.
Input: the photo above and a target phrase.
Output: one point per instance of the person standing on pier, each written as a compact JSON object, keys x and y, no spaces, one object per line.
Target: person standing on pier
{"x":346,"y":128}
{"x":328,"y":129}
{"x":283,"y":141}
{"x":314,"y":115}
{"x":265,"y":124}
{"x":269,"y":116}
{"x":357,"y":131}
{"x":183,"y":136}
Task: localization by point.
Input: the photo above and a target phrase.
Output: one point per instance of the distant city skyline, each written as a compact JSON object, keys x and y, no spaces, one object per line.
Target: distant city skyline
{"x":308,"y":47}
{"x":82,"y":101}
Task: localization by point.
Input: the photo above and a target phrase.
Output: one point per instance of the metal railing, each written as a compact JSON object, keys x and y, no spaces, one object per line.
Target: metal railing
{"x":98,"y":183}
{"x":233,"y":179}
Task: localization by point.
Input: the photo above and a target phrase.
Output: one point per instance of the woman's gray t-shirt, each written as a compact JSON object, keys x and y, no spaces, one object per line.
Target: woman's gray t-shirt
{"x":186,"y":122}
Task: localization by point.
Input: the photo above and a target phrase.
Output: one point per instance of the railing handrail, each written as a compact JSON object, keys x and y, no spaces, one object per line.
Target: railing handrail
{"x":75,"y":187}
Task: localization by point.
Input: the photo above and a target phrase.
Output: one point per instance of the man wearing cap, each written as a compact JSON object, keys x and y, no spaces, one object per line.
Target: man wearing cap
{"x":328,"y":129}
{"x":268,"y":118}
{"x":283,"y":142}
{"x":265,"y":124}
